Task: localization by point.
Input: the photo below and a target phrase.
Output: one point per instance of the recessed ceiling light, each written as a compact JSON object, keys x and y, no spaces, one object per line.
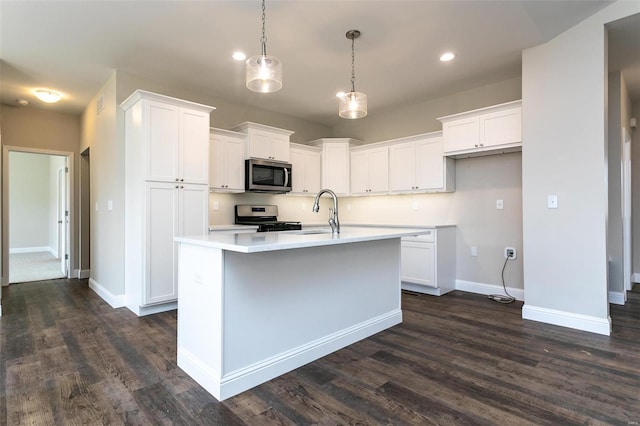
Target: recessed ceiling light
{"x":239,"y":56}
{"x":447,"y":57}
{"x":48,"y":96}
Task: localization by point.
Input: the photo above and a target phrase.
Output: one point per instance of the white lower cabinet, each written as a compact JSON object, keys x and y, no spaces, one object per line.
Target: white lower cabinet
{"x":170,"y":210}
{"x":428,"y":262}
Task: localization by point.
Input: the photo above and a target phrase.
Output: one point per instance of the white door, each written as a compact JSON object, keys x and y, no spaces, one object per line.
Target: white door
{"x":62,"y":221}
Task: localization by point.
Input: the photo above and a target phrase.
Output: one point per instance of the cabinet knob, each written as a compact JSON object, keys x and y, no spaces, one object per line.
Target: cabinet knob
{"x":481,"y":144}
{"x":177,"y":186}
{"x":176,"y":179}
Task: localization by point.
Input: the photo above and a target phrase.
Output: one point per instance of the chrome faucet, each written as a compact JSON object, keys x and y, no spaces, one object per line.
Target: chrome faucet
{"x":333,"y":213}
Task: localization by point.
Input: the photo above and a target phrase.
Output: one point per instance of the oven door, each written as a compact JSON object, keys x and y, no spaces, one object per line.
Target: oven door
{"x":267,"y":176}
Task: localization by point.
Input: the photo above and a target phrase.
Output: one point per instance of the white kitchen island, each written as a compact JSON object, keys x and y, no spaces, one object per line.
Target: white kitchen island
{"x":253,"y":306}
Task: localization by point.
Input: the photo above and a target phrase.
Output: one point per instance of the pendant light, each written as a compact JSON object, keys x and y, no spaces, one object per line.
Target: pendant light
{"x":264,"y":72}
{"x":353,"y":104}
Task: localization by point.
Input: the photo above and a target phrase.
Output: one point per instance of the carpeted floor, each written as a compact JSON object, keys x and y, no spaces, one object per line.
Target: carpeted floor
{"x":25,"y":267}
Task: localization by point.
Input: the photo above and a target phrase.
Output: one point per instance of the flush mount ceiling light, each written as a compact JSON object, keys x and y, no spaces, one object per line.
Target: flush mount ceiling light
{"x":264,"y":72}
{"x":48,"y":96}
{"x":446,"y":57}
{"x":353,"y":104}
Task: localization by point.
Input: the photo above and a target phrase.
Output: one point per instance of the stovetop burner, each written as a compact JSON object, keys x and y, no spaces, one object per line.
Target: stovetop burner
{"x":265,"y":217}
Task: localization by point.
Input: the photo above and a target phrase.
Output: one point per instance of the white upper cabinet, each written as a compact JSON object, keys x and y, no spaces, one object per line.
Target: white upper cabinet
{"x":174,"y":138}
{"x":417,"y":164}
{"x":226,"y":161}
{"x":335,"y":163}
{"x":490,"y":130}
{"x":269,"y":143}
{"x":305,"y":164}
{"x":370,"y":170}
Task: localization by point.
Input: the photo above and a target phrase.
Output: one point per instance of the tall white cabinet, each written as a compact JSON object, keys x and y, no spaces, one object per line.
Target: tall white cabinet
{"x":166,"y":193}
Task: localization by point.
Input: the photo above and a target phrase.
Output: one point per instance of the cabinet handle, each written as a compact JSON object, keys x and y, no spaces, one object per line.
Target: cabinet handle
{"x":176,"y":179}
{"x":176,"y":186}
{"x":481,"y":144}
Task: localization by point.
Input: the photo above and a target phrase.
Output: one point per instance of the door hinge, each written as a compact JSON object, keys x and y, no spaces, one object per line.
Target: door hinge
{"x":66,"y":257}
{"x":66,"y":170}
{"x":66,"y":213}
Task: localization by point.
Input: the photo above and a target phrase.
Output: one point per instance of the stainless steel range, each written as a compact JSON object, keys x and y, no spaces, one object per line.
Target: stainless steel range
{"x":265,"y":217}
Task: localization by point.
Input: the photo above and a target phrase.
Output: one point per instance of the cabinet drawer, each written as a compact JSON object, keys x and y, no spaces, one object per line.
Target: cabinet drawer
{"x":429,"y":237}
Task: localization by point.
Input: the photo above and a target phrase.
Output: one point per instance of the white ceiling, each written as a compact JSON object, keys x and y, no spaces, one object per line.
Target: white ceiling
{"x":73,"y":47}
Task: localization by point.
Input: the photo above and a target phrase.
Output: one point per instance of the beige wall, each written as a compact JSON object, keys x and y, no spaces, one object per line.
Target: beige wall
{"x":29,"y":195}
{"x":40,"y":129}
{"x":564,"y":86}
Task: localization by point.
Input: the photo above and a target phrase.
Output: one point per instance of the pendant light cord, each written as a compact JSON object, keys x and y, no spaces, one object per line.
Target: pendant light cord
{"x":263,"y":39}
{"x":353,"y":64}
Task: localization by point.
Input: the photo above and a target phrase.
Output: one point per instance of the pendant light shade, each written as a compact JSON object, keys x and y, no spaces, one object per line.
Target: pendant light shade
{"x":353,"y":104}
{"x":264,"y":72}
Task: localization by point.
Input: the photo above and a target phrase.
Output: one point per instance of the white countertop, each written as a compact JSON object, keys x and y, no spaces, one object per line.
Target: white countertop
{"x":271,"y":241}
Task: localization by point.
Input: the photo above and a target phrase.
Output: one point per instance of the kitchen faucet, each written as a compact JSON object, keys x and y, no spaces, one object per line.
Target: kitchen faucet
{"x":333,"y":213}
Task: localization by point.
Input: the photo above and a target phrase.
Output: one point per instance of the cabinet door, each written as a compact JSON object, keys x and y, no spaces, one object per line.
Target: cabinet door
{"x":280,"y":147}
{"x":260,"y":145}
{"x":359,"y":172}
{"x":417,"y":261}
{"x":312,"y":172}
{"x":501,"y":128}
{"x":216,"y":161}
{"x":234,"y":164}
{"x":298,"y":171}
{"x":162,"y":141}
{"x":194,"y":147}
{"x":461,"y":135}
{"x":335,"y":167}
{"x":429,"y":164}
{"x":194,"y":202}
{"x":402,"y":167}
{"x":161,"y":218}
{"x":379,"y":170}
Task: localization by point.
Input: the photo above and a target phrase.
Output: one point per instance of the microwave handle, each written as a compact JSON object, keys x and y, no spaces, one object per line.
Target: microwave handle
{"x":286,"y":177}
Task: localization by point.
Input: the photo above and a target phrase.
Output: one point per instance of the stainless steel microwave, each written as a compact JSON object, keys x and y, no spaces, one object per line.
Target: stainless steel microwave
{"x":267,"y":176}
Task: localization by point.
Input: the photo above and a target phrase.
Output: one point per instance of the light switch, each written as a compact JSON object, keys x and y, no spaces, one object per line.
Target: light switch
{"x":552,"y":201}
{"x":415,"y":205}
{"x":216,"y":206}
{"x":110,"y":205}
{"x":474,"y":251}
{"x":499,"y":204}
{"x":96,"y":206}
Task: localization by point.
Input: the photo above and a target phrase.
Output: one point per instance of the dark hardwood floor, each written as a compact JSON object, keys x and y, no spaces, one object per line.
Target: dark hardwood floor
{"x":68,"y":358}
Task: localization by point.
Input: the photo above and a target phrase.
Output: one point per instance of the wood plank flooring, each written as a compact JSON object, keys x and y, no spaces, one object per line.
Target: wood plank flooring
{"x":67,"y":358}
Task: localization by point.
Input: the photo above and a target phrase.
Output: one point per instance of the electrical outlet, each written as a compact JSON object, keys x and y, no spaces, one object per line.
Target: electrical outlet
{"x":474,"y":251}
{"x":415,"y":205}
{"x":216,"y":206}
{"x":510,"y":253}
{"x":499,"y":204}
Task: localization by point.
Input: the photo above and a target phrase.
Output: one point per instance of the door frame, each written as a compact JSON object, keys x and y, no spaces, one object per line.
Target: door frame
{"x":627,"y":247}
{"x":5,"y":203}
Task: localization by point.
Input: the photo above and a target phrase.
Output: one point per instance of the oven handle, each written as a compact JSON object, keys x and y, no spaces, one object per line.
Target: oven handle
{"x":286,"y":177}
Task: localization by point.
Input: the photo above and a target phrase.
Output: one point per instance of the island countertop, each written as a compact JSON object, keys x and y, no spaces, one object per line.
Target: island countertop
{"x":313,"y":237}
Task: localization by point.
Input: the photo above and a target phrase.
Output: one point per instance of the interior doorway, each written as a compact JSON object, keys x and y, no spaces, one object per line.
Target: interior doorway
{"x":37,"y":198}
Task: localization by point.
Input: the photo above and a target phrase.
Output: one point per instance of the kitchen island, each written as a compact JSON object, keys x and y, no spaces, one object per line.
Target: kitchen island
{"x":253,"y":306}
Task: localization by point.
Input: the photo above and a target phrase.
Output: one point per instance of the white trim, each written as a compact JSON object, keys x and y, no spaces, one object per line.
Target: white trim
{"x":19,"y":250}
{"x":113,"y":300}
{"x":568,"y":319}
{"x":487,"y":289}
{"x":635,"y":278}
{"x":245,"y":378}
{"x":617,"y":297}
{"x":81,"y":274}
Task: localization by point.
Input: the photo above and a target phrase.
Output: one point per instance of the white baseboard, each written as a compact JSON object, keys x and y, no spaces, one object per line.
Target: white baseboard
{"x":81,"y":274}
{"x":568,"y":319}
{"x":482,"y":288}
{"x":29,"y":250}
{"x":153,"y":309}
{"x":635,"y":278}
{"x":617,"y":297}
{"x":234,"y":382}
{"x":113,"y":300}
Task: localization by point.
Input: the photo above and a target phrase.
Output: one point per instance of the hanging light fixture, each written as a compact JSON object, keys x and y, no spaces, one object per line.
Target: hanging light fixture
{"x":353,"y":104}
{"x":264,"y":72}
